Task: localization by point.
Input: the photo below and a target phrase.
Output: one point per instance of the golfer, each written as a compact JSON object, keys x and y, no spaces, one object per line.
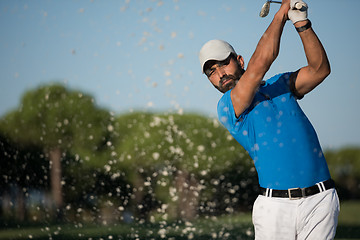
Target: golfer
{"x":298,"y":199}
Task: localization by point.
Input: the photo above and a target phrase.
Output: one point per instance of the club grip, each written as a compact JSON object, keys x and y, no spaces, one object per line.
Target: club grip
{"x":298,"y":5}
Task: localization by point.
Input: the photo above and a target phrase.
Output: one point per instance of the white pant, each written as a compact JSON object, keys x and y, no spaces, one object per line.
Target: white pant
{"x":313,"y":217}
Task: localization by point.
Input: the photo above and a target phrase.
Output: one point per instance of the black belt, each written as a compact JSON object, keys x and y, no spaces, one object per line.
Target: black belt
{"x":296,"y":193}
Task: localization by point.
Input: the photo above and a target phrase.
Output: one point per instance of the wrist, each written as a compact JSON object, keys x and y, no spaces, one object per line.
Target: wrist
{"x":282,"y":14}
{"x":302,"y":25}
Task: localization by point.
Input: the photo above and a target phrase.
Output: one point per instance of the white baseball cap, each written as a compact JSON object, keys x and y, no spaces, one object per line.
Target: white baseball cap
{"x":215,"y":49}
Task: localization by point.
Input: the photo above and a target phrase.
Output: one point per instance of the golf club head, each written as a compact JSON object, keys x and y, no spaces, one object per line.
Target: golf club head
{"x":265,"y":9}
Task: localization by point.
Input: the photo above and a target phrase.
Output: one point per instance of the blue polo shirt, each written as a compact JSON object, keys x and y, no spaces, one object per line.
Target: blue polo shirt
{"x":278,"y":136}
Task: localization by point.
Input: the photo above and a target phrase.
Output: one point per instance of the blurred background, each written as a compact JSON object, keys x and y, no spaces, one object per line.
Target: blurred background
{"x":106,"y":120}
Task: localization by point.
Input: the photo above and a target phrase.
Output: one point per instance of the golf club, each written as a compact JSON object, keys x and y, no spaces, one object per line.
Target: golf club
{"x":266,"y":7}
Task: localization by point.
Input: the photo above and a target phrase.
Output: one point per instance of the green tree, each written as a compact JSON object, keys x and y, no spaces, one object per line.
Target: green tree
{"x":59,"y":120}
{"x":177,"y":160}
{"x":344,"y":165}
{"x":18,"y":172}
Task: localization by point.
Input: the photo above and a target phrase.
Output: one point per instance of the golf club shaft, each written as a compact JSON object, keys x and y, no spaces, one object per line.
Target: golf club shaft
{"x":297,"y":5}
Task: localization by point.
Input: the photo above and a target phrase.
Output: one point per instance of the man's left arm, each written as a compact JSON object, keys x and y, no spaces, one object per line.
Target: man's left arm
{"x":318,"y":68}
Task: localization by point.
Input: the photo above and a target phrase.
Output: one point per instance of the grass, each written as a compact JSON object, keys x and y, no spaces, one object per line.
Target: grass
{"x":349,"y":221}
{"x":131,"y":231}
{"x":237,"y":226}
{"x":350,"y":213}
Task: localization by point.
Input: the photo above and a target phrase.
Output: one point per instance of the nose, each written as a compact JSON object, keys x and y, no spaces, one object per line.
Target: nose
{"x":220,"y":71}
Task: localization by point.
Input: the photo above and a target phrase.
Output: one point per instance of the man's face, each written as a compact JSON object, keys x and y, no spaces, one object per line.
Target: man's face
{"x":224,"y":75}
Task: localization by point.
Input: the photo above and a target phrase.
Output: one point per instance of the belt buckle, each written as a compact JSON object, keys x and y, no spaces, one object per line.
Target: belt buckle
{"x":295,"y":198}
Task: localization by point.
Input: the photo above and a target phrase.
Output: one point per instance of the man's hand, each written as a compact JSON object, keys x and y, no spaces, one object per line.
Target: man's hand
{"x":285,"y":6}
{"x":285,"y":2}
{"x":295,"y":14}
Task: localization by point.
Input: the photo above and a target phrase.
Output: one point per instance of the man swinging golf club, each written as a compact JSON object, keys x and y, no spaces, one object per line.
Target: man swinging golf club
{"x":298,"y":199}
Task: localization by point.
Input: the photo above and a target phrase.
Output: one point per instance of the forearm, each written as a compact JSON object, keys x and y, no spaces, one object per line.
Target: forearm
{"x":268,"y":47}
{"x":318,"y":62}
{"x":318,"y":67}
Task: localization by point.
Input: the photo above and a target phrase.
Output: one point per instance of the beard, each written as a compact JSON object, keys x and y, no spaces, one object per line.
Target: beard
{"x":228,"y":82}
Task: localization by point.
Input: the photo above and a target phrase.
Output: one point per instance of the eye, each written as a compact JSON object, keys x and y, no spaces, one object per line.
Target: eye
{"x":209,"y":72}
{"x":225,"y":62}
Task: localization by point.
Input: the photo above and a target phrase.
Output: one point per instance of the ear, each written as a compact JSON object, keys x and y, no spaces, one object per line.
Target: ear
{"x":240,"y":59}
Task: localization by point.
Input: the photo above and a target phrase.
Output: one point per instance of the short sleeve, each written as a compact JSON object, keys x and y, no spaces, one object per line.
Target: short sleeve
{"x":226,"y":112}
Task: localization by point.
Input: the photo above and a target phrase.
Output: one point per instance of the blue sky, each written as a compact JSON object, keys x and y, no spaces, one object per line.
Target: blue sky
{"x":142,"y":54}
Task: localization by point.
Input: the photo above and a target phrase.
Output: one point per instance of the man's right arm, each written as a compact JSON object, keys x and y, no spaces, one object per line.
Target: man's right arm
{"x":265,"y":53}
